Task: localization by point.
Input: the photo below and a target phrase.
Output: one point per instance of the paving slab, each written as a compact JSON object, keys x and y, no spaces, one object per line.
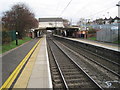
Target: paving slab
{"x":40,"y":77}
{"x":36,"y":73}
{"x":23,"y":79}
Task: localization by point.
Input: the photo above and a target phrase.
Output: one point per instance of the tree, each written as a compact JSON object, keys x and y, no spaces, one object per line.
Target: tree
{"x":19,"y":18}
{"x":99,"y":21}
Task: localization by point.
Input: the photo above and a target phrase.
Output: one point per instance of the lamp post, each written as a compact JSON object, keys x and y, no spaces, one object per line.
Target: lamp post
{"x":118,"y":8}
{"x":119,"y":20}
{"x":86,"y":31}
{"x":16,"y":38}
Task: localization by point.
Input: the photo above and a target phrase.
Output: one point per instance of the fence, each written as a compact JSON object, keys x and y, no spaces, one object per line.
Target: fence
{"x":107,"y":32}
{"x":8,"y":36}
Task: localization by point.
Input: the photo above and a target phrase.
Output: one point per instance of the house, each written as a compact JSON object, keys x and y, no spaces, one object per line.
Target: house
{"x":66,"y":23}
{"x":51,"y":23}
{"x":116,"y":20}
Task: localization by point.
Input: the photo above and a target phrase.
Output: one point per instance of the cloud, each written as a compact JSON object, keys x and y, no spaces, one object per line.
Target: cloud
{"x":76,"y":10}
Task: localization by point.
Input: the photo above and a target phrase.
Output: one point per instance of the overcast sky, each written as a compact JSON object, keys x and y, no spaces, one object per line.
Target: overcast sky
{"x":89,"y":9}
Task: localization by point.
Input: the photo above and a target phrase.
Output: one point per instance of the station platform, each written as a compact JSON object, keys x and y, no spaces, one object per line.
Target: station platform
{"x":110,"y":46}
{"x":100,"y":44}
{"x":36,"y":73}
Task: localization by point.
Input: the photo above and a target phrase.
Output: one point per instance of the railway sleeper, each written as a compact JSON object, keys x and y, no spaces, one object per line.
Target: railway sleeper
{"x":80,"y":85}
{"x":59,"y":86}
{"x":77,"y":80}
{"x":74,"y":76}
{"x":56,"y":73}
{"x":69,"y":73}
{"x":57,"y":81}
{"x":69,"y":70}
{"x":55,"y":70}
{"x":66,"y":65}
{"x":56,"y":77}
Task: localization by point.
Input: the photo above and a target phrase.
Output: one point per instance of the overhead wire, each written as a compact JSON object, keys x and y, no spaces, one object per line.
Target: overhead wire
{"x":99,"y":11}
{"x":83,"y":7}
{"x":65,"y":8}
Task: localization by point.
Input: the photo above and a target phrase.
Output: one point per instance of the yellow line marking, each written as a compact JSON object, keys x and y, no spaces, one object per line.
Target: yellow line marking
{"x":24,"y":77}
{"x":14,"y":74}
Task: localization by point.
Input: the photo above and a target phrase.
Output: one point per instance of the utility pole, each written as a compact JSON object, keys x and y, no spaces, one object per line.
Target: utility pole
{"x":118,"y":21}
{"x":118,"y":8}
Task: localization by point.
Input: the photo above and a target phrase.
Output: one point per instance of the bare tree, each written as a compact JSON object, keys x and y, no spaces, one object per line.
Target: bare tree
{"x":19,"y":18}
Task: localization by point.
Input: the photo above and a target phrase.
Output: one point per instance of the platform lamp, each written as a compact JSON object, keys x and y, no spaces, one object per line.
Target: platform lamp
{"x":16,"y":38}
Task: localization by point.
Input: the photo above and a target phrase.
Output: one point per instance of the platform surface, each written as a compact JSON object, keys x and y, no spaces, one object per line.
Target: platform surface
{"x":100,"y":44}
{"x":36,"y":73}
{"x":110,"y":46}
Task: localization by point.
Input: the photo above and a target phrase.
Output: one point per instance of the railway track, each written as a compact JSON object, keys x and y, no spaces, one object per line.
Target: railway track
{"x":109,"y":65}
{"x":109,"y":69}
{"x":106,"y":63}
{"x":56,"y":77}
{"x":68,"y":73}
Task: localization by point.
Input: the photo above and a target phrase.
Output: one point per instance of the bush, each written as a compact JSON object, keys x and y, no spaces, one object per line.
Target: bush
{"x":6,"y":37}
{"x":91,"y":31}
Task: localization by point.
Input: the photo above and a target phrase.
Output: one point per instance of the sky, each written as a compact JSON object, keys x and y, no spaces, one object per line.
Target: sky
{"x":88,"y":9}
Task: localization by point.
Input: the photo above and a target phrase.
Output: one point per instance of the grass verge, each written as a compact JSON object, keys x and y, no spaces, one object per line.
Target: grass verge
{"x":92,"y":38}
{"x":11,"y":45}
{"x":116,"y":42}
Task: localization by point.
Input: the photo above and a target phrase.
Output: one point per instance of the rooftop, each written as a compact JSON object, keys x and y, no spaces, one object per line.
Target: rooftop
{"x":50,"y":19}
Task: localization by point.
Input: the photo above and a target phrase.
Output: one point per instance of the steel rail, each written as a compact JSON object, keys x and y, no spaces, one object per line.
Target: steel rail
{"x":79,"y":67}
{"x":102,"y":57}
{"x":115,"y":73}
{"x":65,"y":83}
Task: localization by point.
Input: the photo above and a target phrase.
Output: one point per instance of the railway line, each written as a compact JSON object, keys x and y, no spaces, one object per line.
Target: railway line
{"x":71,"y":74}
{"x":66,"y":64}
{"x":101,"y":70}
{"x":104,"y":74}
{"x":108,"y":64}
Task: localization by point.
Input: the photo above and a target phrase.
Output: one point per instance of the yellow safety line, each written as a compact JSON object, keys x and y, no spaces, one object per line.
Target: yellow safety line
{"x":23,"y":72}
{"x":15,"y":73}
